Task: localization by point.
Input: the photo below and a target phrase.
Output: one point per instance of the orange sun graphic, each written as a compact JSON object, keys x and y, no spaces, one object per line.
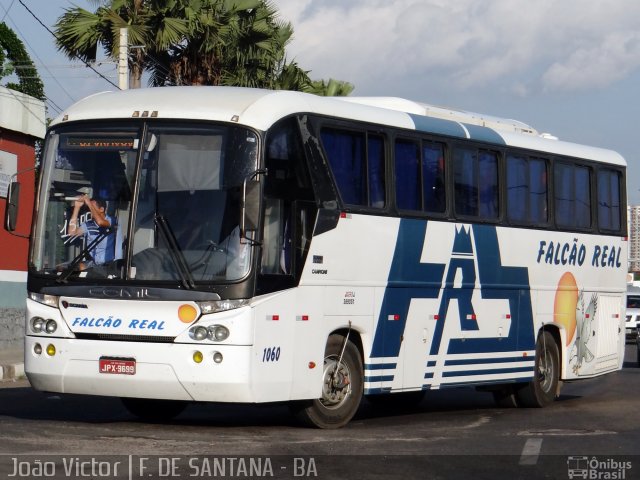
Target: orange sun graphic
{"x":564,"y":307}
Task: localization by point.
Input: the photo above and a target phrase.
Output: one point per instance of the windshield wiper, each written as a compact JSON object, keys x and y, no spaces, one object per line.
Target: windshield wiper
{"x":175,"y":252}
{"x":66,"y":273}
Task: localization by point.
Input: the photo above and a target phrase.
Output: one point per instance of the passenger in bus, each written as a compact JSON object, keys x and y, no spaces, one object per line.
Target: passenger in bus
{"x":91,"y":228}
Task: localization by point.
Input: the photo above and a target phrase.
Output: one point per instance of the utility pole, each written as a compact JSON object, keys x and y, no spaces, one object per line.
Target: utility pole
{"x":123,"y":60}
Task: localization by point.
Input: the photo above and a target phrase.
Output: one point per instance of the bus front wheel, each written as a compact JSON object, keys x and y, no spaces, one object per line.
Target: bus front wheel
{"x":342,"y":387}
{"x":543,"y":389}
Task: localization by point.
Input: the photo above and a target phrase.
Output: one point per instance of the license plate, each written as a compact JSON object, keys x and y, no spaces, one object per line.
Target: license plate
{"x":117,"y":366}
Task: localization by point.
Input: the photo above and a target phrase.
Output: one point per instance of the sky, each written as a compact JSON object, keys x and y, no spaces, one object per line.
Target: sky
{"x":566,"y":67}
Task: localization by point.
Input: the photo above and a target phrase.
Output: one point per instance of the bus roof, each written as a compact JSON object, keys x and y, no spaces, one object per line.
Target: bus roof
{"x":262,"y":108}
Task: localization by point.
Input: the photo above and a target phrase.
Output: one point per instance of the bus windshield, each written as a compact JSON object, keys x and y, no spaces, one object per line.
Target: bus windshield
{"x":160,"y":206}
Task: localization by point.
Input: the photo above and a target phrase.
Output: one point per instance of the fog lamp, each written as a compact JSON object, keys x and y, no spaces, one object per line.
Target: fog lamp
{"x":198,"y":357}
{"x":217,"y":357}
{"x":51,"y":350}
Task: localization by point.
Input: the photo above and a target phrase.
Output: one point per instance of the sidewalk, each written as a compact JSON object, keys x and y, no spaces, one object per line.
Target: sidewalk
{"x":11,"y":363}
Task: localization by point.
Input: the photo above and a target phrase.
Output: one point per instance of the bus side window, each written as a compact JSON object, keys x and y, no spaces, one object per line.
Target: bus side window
{"x":476,"y":183}
{"x":276,"y":257}
{"x":609,"y":214}
{"x":572,"y":195}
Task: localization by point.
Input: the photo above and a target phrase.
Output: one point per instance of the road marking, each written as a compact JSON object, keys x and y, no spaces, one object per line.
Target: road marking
{"x":531,"y":451}
{"x":555,"y":432}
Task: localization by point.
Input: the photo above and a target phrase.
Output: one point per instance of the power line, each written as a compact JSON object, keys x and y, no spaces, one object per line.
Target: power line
{"x":53,"y":105}
{"x":56,"y":37}
{"x":6,"y":11}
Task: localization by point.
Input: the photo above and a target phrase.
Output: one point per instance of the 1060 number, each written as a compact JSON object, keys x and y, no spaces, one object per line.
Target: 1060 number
{"x":271,"y":354}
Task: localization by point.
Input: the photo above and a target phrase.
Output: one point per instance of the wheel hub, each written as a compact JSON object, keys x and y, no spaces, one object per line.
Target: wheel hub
{"x":336,"y":385}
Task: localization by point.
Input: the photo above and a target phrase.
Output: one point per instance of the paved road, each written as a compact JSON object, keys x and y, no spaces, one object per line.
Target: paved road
{"x":593,"y":426}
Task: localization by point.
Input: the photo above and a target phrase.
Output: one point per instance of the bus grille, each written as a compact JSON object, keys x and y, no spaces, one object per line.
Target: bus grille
{"x":124,"y":338}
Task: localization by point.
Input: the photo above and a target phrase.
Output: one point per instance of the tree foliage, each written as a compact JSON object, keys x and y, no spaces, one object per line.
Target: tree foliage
{"x":14,"y":59}
{"x":190,"y":42}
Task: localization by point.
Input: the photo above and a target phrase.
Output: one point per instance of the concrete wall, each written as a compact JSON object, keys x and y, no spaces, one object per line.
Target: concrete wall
{"x":11,"y":327}
{"x":13,"y":294}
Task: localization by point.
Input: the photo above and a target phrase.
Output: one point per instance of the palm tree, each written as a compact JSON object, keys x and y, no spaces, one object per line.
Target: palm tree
{"x":191,"y":42}
{"x":332,"y":88}
{"x":230,"y":42}
{"x":79,"y":32}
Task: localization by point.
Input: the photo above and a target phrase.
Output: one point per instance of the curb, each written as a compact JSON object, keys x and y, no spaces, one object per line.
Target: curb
{"x":12,"y":371}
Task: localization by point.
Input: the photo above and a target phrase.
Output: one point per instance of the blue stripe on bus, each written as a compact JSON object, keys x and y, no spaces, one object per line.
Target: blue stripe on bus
{"x":438,"y":126}
{"x":484,"y":134}
{"x":379,"y":378}
{"x":380,"y":366}
{"x":472,"y":361}
{"x":488,"y":372}
{"x":431,"y":364}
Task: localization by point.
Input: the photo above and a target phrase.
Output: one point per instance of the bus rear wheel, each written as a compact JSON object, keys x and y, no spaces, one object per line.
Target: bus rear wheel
{"x":342,"y":387}
{"x":543,"y":389}
{"x":153,"y":410}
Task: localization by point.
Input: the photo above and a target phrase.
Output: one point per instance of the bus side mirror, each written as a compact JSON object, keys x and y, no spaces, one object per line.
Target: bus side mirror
{"x":250,"y":207}
{"x":11,"y":212}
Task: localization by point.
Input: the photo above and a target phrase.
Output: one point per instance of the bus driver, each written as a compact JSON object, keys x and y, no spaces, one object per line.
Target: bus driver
{"x":92,"y":228}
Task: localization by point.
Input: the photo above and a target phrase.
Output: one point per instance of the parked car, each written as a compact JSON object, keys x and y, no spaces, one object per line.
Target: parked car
{"x":633,"y":316}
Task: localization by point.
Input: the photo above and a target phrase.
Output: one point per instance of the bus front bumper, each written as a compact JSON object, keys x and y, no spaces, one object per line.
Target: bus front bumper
{"x":162,"y":370}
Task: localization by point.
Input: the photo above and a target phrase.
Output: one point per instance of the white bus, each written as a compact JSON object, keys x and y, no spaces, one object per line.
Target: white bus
{"x":217,"y":244}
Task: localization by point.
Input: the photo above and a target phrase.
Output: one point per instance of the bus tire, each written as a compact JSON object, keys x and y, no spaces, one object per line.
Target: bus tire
{"x":153,"y":410}
{"x":543,"y":389}
{"x":341,"y":389}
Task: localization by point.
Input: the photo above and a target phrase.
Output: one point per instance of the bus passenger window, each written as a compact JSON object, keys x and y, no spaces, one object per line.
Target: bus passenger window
{"x":517,"y":188}
{"x":407,"y":161}
{"x":572,"y":195}
{"x":476,"y":183}
{"x":433,"y":177}
{"x":345,"y":151}
{"x":526,"y":190}
{"x":609,"y":200}
{"x":375,"y":159}
{"x":538,"y":209}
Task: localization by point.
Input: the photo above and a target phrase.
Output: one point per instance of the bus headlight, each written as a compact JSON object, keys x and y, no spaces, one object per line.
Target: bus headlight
{"x":218,"y":333}
{"x":37,"y":324}
{"x":221,"y":305}
{"x":199,"y":333}
{"x":51,"y":326}
{"x":49,"y":300}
